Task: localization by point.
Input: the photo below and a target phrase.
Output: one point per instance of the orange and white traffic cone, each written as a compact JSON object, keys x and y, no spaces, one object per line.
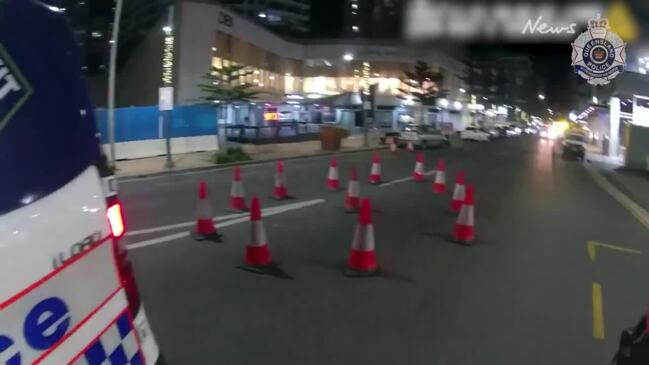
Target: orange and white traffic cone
{"x":439,"y":184}
{"x":458,"y":193}
{"x":362,"y":258}
{"x":375,"y":173}
{"x":280,"y":192}
{"x":257,"y":257}
{"x":418,"y":172}
{"x":237,"y":194}
{"x":257,"y":252}
{"x":333,"y":183}
{"x":393,"y":147}
{"x":464,"y":231}
{"x":410,"y":147}
{"x":205,"y":228}
{"x":353,"y":193}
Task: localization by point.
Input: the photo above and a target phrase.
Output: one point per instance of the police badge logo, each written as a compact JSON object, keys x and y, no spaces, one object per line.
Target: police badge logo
{"x":598,"y":54}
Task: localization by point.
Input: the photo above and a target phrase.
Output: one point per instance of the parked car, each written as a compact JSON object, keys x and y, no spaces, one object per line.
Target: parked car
{"x":475,"y":134}
{"x":422,"y":136}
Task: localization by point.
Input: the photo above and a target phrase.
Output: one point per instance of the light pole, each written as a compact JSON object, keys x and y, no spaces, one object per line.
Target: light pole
{"x":111,"y":80}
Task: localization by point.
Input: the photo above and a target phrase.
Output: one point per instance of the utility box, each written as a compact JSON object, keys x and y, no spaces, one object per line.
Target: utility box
{"x":637,"y":149}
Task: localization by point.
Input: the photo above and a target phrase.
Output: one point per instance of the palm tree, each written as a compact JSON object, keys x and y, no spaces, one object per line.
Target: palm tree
{"x":225,"y":86}
{"x":422,"y":85}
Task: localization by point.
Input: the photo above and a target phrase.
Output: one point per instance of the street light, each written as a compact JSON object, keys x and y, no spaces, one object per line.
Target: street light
{"x":462,"y":90}
{"x":572,"y":116}
{"x":443,"y":102}
{"x":348,"y":57}
{"x":595,"y":100}
{"x":457,"y":105}
{"x":167,"y":29}
{"x":541,"y":97}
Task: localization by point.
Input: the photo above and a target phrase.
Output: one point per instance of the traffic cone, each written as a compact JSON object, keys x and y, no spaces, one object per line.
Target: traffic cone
{"x":410,"y":147}
{"x":362,"y":258}
{"x":375,"y":173}
{"x":257,"y":257}
{"x":333,"y":183}
{"x":458,"y":193}
{"x":439,"y":184}
{"x":463,"y":231}
{"x":237,"y":195}
{"x":280,"y":192}
{"x":393,"y":147}
{"x":353,"y":193}
{"x":257,"y":253}
{"x":418,"y":172}
{"x":205,"y":228}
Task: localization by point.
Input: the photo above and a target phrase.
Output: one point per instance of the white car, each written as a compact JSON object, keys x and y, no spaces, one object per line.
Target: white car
{"x":422,"y":136}
{"x":67,"y":288}
{"x":475,"y":134}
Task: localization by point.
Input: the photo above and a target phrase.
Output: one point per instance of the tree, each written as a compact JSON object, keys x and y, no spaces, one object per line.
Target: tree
{"x":224,"y":86}
{"x":422,"y":85}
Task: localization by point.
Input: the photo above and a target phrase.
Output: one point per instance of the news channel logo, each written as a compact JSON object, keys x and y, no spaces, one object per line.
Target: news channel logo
{"x":598,"y":54}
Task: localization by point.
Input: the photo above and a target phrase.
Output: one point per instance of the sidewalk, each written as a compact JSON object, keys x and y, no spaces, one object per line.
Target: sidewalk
{"x":259,"y":153}
{"x":635,"y":184}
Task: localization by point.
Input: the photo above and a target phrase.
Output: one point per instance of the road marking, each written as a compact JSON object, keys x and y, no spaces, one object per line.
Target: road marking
{"x":638,"y":212}
{"x":276,"y":210}
{"x":409,"y":178}
{"x":592,"y":249}
{"x":598,"y":312}
{"x":183,"y":224}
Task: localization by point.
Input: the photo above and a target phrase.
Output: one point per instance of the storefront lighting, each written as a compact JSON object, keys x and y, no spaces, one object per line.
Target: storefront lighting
{"x":476,"y":107}
{"x":501,"y":110}
{"x":256,"y":81}
{"x":541,"y":97}
{"x":271,"y":78}
{"x":256,"y":72}
{"x":643,"y":70}
{"x":261,"y":84}
{"x":462,"y":90}
{"x":355,"y":28}
{"x":296,"y":106}
{"x":457,"y":105}
{"x":572,"y":116}
{"x":294,"y":96}
{"x":348,"y":57}
{"x":262,"y":15}
{"x":287,"y":74}
{"x":292,"y":102}
{"x":595,"y":100}
{"x":443,"y":102}
{"x":354,"y":6}
{"x":484,"y":98}
{"x":167,"y":29}
{"x":213,"y":49}
{"x":314,"y":96}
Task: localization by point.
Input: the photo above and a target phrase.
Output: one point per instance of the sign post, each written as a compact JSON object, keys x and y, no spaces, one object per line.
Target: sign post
{"x":166,"y":92}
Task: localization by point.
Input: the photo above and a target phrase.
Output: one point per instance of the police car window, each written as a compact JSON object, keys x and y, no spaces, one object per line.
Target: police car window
{"x":47,"y":127}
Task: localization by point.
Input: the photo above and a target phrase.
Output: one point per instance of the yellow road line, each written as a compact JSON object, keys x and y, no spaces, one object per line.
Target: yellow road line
{"x":638,"y":212}
{"x":598,"y":312}
{"x":592,"y":249}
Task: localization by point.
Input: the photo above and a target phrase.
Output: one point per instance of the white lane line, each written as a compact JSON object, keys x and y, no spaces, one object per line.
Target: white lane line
{"x":277,"y":210}
{"x":638,"y":212}
{"x":409,"y":178}
{"x":184,"y":224}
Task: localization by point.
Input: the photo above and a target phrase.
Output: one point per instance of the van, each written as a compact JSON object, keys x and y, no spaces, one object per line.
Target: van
{"x":67,"y":289}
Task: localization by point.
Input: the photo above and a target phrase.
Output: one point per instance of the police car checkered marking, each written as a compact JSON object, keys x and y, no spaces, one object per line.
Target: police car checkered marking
{"x":117,"y":346}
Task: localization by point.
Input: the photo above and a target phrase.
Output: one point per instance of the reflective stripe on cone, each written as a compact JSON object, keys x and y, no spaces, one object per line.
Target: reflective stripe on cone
{"x":205,"y":227}
{"x":353,"y":193}
{"x":375,"y":173}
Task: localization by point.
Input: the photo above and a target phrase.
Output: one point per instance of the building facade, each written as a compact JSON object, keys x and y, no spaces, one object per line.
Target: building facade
{"x":283,"y":16}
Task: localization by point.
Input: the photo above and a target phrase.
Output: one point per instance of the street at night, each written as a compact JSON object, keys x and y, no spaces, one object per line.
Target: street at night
{"x":520,"y":294}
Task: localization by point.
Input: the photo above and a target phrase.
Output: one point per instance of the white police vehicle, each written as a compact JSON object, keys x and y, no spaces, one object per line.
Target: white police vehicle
{"x":67,"y":290}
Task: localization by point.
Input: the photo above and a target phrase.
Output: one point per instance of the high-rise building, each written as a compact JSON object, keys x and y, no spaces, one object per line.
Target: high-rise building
{"x":373,"y":18}
{"x":287,"y":17}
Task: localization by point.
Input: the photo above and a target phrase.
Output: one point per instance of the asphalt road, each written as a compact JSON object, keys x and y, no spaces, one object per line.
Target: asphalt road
{"x":521,"y":295}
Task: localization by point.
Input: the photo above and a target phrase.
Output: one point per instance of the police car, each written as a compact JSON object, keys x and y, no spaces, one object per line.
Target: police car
{"x":67,"y":290}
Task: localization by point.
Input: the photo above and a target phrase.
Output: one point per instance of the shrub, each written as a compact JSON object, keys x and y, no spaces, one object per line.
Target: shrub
{"x":231,"y":155}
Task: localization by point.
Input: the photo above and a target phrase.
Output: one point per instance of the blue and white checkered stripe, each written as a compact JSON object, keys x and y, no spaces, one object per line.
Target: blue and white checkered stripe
{"x":117,"y":346}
